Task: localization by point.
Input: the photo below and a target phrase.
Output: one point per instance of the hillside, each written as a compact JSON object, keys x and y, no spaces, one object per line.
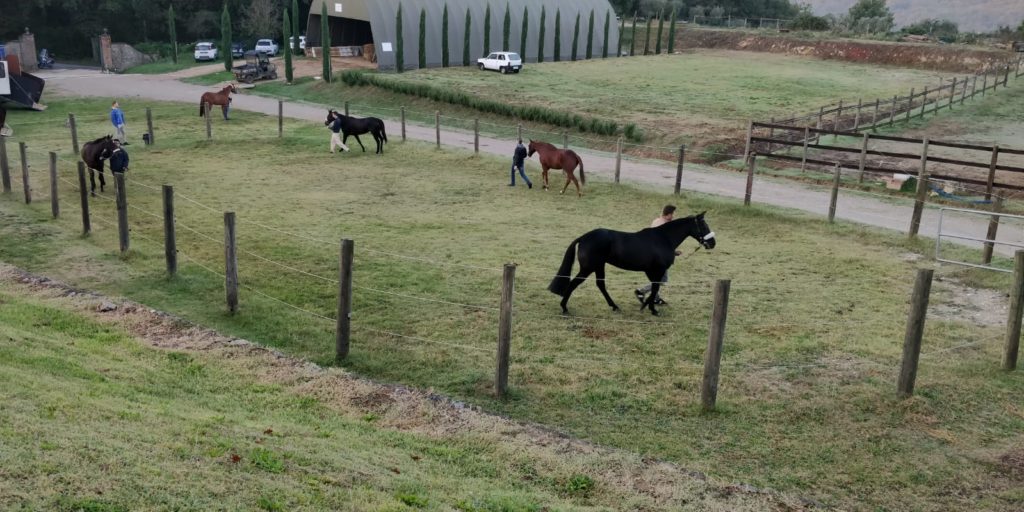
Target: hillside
{"x":983,"y":15}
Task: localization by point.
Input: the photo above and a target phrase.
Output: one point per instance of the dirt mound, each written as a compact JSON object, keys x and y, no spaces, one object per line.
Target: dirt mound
{"x":919,"y":56}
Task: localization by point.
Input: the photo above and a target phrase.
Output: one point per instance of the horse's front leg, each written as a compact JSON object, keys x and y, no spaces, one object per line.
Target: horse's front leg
{"x":576,"y":282}
{"x":599,"y":273}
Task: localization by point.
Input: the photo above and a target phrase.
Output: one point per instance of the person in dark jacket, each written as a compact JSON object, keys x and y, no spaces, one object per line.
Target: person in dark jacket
{"x":335,"y":127}
{"x":519,"y":161}
{"x":118,"y":158}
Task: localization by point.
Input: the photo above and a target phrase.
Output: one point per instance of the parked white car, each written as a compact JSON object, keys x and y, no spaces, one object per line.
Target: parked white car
{"x":302,"y":42}
{"x":205,"y":51}
{"x":505,"y":62}
{"x":267,"y":46}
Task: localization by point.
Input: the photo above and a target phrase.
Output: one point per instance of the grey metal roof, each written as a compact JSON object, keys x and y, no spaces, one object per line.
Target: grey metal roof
{"x":381,"y":14}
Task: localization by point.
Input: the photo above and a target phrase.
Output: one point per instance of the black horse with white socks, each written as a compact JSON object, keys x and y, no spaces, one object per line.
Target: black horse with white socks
{"x":651,"y":251}
{"x":356,"y":126}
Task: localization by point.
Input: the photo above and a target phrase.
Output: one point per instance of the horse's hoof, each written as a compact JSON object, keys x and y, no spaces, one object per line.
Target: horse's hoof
{"x":655,"y":312}
{"x":615,"y":309}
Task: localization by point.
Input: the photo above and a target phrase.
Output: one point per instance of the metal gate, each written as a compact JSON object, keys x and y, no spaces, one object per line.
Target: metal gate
{"x":940,"y":235}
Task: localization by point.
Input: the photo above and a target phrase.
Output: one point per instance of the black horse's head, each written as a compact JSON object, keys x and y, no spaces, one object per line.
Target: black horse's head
{"x":99,"y":149}
{"x":704,"y":235}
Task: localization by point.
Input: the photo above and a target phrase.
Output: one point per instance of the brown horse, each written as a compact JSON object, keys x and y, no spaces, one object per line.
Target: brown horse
{"x":554,"y":158}
{"x":222,"y":98}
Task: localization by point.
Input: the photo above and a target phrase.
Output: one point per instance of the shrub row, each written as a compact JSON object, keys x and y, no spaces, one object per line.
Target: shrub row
{"x":526,"y":113}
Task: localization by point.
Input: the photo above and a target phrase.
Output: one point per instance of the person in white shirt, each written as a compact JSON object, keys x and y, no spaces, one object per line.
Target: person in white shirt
{"x":667,"y":213}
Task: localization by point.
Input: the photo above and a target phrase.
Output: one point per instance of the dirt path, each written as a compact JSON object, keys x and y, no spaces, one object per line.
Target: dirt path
{"x":877,"y":211}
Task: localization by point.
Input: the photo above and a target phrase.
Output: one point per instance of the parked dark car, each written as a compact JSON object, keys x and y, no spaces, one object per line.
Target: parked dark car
{"x":237,"y":50}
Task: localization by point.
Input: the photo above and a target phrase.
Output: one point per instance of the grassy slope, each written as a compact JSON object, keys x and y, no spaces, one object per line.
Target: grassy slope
{"x":805,"y":293}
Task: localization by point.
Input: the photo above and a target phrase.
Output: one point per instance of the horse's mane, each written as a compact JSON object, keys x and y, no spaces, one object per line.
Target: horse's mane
{"x":97,"y":141}
{"x":541,"y":144}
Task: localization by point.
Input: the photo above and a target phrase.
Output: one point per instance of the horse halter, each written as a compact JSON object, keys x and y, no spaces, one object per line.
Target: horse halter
{"x":706,"y":238}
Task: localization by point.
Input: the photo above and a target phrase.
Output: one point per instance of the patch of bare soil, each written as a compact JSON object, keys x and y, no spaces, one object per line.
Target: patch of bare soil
{"x":984,"y":308}
{"x":623,"y":474}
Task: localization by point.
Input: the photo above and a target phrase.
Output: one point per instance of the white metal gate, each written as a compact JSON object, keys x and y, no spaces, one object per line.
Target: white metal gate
{"x":940,"y":235}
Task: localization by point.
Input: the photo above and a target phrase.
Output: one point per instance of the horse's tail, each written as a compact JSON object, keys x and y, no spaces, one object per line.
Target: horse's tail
{"x":583,"y":177}
{"x":383,"y":134}
{"x":201,"y":109}
{"x":560,"y":284}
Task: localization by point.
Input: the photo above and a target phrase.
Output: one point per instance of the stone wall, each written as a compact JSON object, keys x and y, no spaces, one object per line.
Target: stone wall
{"x":125,"y":56}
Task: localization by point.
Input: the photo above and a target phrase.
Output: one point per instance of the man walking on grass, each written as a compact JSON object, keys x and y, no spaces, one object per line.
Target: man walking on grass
{"x":519,"y":162}
{"x":667,"y":213}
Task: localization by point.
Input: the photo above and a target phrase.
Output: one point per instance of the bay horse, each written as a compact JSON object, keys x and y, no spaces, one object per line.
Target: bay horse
{"x":93,"y":154}
{"x":222,"y":98}
{"x":651,"y":251}
{"x":356,"y":126}
{"x":554,"y":158}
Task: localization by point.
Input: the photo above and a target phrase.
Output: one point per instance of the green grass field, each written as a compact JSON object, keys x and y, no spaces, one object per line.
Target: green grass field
{"x":816,"y":318}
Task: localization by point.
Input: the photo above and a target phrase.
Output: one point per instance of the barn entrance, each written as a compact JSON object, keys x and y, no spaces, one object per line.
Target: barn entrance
{"x":344,"y":31}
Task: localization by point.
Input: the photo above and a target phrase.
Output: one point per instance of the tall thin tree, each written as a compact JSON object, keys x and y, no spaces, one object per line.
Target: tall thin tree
{"x":286,"y":29}
{"x":423,"y":38}
{"x":672,"y":31}
{"x":172,"y":30}
{"x":487,"y":30}
{"x":540,"y":38}
{"x":444,"y":37}
{"x":622,"y":30}
{"x":632,"y":40}
{"x":575,"y":36}
{"x":225,"y":38}
{"x":506,"y":29}
{"x":661,"y":26}
{"x":558,"y":35}
{"x":465,"y":40}
{"x":607,"y":23}
{"x":590,"y":36}
{"x":523,"y":32}
{"x":399,"y":42}
{"x":647,"y":36}
{"x":325,"y":43}
{"x":295,"y":28}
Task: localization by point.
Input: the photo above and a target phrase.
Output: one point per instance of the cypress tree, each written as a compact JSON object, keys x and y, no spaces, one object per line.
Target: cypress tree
{"x":672,"y":32}
{"x":523,"y":32}
{"x":622,"y":30}
{"x":506,"y":30}
{"x":444,"y":37}
{"x":647,"y":36}
{"x":399,"y":42}
{"x":173,"y":31}
{"x":295,"y":28}
{"x":487,"y":30}
{"x":632,"y":41}
{"x":558,"y":35}
{"x":325,"y":43}
{"x":225,"y":38}
{"x":661,"y":25}
{"x":540,"y":39}
{"x":287,"y":31}
{"x":590,"y":37}
{"x":423,"y":38}
{"x":607,"y":23}
{"x":575,"y":36}
{"x":465,"y":41}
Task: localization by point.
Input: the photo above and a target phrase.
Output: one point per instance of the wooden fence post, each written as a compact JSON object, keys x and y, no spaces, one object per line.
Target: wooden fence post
{"x":874,"y":116}
{"x":476,"y":136}
{"x":1006,"y":78}
{"x":922,"y":192}
{"x":344,"y":323}
{"x":924,"y":102}
{"x":835,"y":124}
{"x":505,"y":329}
{"x":910,"y":104}
{"x":149,"y":126}
{"x":230,"y":263}
{"x":974,"y":87}
{"x":821,"y":116}
{"x":679,"y":168}
{"x":403,"y":124}
{"x":54,"y":199}
{"x":565,"y":139}
{"x":915,"y":332}
{"x":835,"y":194}
{"x":771,"y":135}
{"x":990,"y":182}
{"x":209,"y":127}
{"x":984,"y":85}
{"x":863,"y":158}
{"x":346,"y":108}
{"x":170,"y":239}
{"x":750,"y":136}
{"x":1016,"y":309}
{"x":752,"y":161}
{"x":5,"y":166}
{"x":437,"y":127}
{"x":618,"y":159}
{"x":74,"y":133}
{"x":856,"y":117}
{"x":26,"y":185}
{"x":803,"y":158}
{"x":993,"y":231}
{"x":519,"y":131}
{"x":83,"y":195}
{"x":122,"y":212}
{"x":892,"y":110}
{"x":963,"y":95}
{"x":280,"y":118}
{"x":713,"y":355}
{"x":952,"y":94}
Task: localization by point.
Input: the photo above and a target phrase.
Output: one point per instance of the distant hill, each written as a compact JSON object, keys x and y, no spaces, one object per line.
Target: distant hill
{"x":972,"y":16}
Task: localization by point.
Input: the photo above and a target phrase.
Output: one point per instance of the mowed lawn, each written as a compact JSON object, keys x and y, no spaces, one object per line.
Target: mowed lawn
{"x":816,"y":321}
{"x":697,"y":95}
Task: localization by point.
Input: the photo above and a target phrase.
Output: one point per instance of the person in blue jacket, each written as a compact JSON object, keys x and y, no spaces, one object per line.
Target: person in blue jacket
{"x":518,"y":162}
{"x":117,"y":119}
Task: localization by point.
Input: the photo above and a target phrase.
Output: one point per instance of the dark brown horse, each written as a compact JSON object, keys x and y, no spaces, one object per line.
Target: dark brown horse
{"x":93,"y":154}
{"x":554,"y":158}
{"x":222,"y":98}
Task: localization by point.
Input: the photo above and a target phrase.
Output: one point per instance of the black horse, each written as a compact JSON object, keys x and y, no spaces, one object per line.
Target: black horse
{"x":93,"y":154}
{"x":651,"y":251}
{"x":355,"y":127}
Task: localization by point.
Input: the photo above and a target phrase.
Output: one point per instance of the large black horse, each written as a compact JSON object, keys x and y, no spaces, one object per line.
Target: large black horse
{"x":93,"y":154}
{"x":651,"y":251}
{"x":356,"y":126}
